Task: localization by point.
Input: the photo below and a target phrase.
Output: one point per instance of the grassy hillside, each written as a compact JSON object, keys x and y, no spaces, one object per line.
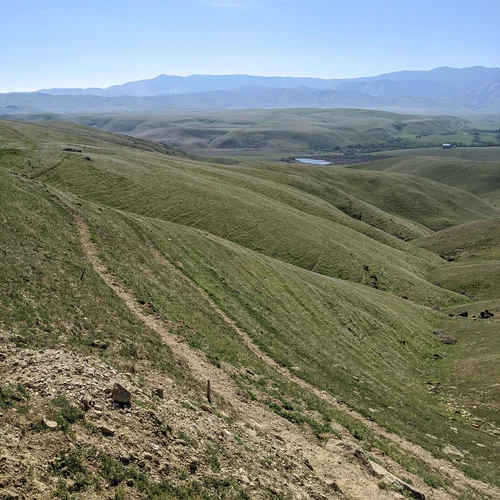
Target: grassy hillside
{"x":264,"y":276}
{"x":479,"y":178}
{"x":426,"y":204}
{"x":275,"y":131}
{"x":475,"y":251}
{"x":479,"y":240}
{"x":474,"y":270}
{"x":157,"y":186}
{"x":474,"y":154}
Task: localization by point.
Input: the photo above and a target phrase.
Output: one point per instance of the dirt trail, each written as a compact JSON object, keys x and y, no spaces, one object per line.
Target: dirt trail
{"x":455,"y":474}
{"x":330,"y":463}
{"x":46,"y":171}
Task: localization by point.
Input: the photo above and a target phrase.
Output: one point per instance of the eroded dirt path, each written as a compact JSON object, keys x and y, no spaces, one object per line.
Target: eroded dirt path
{"x":443,"y":465}
{"x":331,"y":463}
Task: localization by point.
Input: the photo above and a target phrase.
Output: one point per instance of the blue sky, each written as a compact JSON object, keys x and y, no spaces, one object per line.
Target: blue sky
{"x":100,"y":43}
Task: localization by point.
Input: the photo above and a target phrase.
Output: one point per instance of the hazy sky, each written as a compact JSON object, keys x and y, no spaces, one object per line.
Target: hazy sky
{"x":55,"y":43}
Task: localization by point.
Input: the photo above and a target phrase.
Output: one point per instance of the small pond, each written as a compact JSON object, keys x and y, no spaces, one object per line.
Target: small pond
{"x":311,"y":161}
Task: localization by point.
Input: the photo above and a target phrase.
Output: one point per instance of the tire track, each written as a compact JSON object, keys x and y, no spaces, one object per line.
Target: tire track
{"x":46,"y":171}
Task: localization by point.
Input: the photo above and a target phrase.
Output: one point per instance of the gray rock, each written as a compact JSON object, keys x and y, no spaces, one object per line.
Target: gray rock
{"x":86,"y":402}
{"x":107,"y":431}
{"x":120,"y":394}
{"x":363,"y":459}
{"x":386,"y":476}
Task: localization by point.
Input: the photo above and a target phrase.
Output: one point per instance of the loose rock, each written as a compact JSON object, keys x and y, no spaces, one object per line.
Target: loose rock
{"x":206,"y":408}
{"x":158,"y":392}
{"x":107,"y":431}
{"x":486,"y":314}
{"x":50,"y":424}
{"x":120,"y":394}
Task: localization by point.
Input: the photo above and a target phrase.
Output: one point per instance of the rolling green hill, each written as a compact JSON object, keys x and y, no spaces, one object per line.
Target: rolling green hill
{"x":264,"y":216}
{"x":428,"y":205}
{"x":475,"y":250}
{"x":475,"y":270}
{"x":481,"y":178}
{"x":273,"y":132}
{"x":474,"y":154}
{"x":313,"y":308}
{"x":472,"y":241}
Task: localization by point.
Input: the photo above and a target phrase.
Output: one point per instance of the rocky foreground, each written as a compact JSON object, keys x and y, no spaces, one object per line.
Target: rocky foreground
{"x":68,"y":428}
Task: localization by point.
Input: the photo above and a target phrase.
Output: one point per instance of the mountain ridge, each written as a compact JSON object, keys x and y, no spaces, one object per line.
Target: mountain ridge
{"x":443,"y":74}
{"x":374,"y":95}
{"x":475,"y":89}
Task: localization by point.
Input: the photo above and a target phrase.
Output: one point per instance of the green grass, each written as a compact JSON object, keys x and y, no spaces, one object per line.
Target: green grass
{"x":276,"y":131}
{"x":481,"y":178}
{"x":269,"y":215}
{"x":340,"y":337}
{"x":475,"y":248}
{"x":65,"y":413}
{"x":473,"y":154}
{"x":469,"y":370}
{"x":88,"y":468}
{"x":478,"y":280}
{"x":272,"y":250}
{"x":475,"y":241}
{"x":43,"y":300}
{"x":411,"y":204}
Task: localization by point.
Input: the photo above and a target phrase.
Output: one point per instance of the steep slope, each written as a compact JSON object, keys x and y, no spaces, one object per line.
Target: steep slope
{"x":173,"y":298}
{"x":261,"y":218}
{"x":52,"y":324}
{"x":475,"y":270}
{"x":475,"y":251}
{"x":61,"y":330}
{"x":425,"y":203}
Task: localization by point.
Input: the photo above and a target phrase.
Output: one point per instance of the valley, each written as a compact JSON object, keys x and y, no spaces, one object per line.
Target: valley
{"x":289,"y":133}
{"x":250,"y":250}
{"x":324,"y":304}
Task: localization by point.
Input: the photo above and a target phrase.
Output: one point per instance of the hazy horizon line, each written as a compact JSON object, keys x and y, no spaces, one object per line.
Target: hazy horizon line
{"x":92,"y":87}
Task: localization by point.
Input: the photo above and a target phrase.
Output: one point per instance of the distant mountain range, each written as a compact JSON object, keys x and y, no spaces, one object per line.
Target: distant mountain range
{"x":442,"y":89}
